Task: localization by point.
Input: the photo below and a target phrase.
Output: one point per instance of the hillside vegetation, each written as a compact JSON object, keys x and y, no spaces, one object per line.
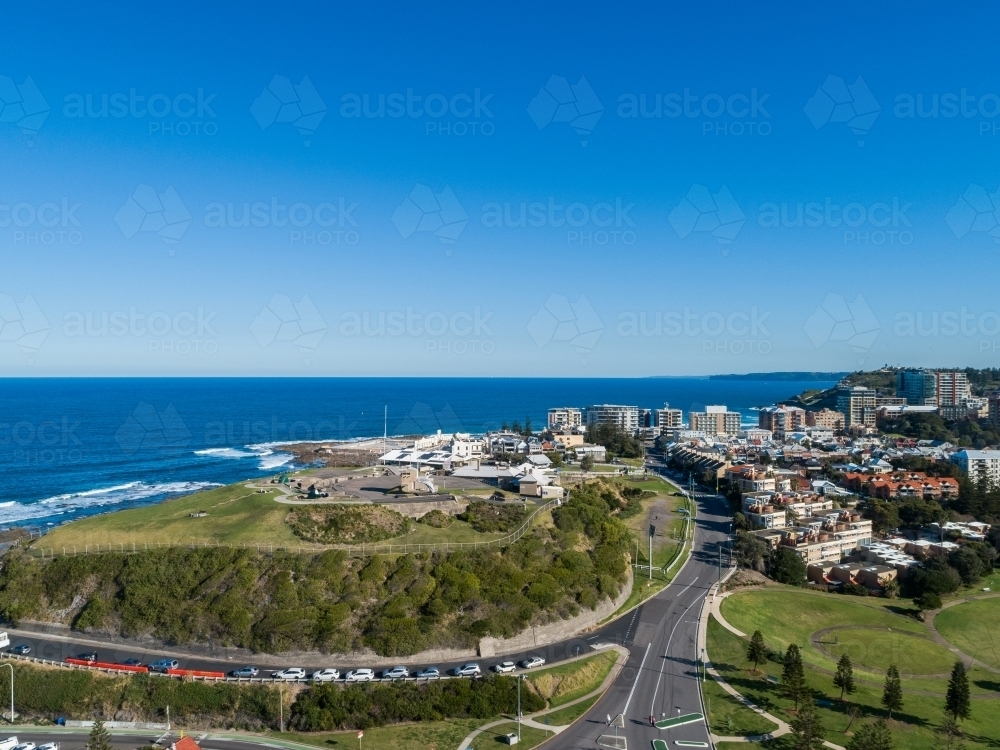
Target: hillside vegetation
{"x":328,"y":601}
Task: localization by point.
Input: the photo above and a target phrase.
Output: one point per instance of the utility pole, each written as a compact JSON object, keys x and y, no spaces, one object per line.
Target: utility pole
{"x":281,"y":709}
{"x":652,"y":530}
{"x":168,"y":718}
{"x":519,"y":677}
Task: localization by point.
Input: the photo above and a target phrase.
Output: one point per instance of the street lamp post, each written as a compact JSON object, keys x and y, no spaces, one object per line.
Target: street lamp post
{"x":519,"y":677}
{"x":8,"y":664}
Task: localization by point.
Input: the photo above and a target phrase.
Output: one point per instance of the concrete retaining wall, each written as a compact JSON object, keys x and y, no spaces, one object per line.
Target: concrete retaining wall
{"x":543,"y":635}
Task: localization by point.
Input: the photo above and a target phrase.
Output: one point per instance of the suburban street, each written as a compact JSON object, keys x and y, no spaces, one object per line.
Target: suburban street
{"x":660,"y":678}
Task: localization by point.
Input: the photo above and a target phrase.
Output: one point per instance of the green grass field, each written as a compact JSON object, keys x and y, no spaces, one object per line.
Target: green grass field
{"x":568,"y":715}
{"x":974,"y":627}
{"x":727,"y":717}
{"x":237,"y":515}
{"x":788,"y":615}
{"x":442,"y":735}
{"x":566,"y":682}
{"x":493,"y":739}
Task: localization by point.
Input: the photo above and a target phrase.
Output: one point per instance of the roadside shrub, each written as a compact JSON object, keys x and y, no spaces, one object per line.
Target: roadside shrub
{"x":330,"y":707}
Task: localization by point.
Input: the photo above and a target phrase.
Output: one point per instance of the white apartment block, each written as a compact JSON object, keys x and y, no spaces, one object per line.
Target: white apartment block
{"x":565,"y":416}
{"x":981,"y":466}
{"x":669,"y":419}
{"x":715,"y":420}
{"x":623,"y":417}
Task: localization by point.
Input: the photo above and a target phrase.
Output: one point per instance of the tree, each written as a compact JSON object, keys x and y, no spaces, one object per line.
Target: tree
{"x":891,"y":588}
{"x":928,"y":600}
{"x":806,"y":729}
{"x":950,"y":729}
{"x":587,"y":462}
{"x":892,"y":693}
{"x":793,"y":676}
{"x":757,"y":650}
{"x":785,"y":566}
{"x":956,"y":702}
{"x":556,"y":458}
{"x":527,"y":426}
{"x":844,"y":678}
{"x":751,"y":552}
{"x":883,"y":515}
{"x":100,"y":738}
{"x":740,"y":522}
{"x":874,"y":736}
{"x":516,"y":427}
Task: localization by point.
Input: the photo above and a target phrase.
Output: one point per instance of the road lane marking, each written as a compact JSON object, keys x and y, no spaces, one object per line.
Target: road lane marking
{"x":637,"y":675}
{"x":666,"y":651}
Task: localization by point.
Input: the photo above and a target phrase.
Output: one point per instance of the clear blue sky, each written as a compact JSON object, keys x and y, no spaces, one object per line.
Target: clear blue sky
{"x":666,"y":156}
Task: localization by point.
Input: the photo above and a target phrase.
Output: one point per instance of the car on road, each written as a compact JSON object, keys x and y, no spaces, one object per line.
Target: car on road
{"x":326,"y":675}
{"x":533,"y":661}
{"x":246,"y":671}
{"x":428,"y":673}
{"x":292,"y":673}
{"x":88,"y":656}
{"x":395,"y":673}
{"x":504,"y":667}
{"x":360,"y":675}
{"x":132,"y":663}
{"x":21,"y":649}
{"x":162,"y":665}
{"x":468,"y":670}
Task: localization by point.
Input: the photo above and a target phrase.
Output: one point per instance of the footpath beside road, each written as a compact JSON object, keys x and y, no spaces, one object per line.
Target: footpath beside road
{"x":531,"y":720}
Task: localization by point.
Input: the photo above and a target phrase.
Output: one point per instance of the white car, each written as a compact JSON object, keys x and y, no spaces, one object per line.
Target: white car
{"x":504,"y":667}
{"x":533,"y":661}
{"x":8,"y":744}
{"x":25,"y":746}
{"x":360,"y":675}
{"x":49,"y":746}
{"x":326,"y":675}
{"x":292,"y":673}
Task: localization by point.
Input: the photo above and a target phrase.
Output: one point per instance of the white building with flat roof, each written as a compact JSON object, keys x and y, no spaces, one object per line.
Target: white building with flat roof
{"x":625,"y":418}
{"x":981,"y":466}
{"x":565,"y":416}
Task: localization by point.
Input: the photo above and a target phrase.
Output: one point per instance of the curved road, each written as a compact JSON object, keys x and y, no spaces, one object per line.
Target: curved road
{"x":661,"y":675}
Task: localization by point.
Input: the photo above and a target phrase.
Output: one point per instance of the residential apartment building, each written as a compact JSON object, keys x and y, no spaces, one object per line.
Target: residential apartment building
{"x":565,"y":416}
{"x":827,"y":536}
{"x":994,"y":409}
{"x":669,"y":419}
{"x":857,"y":404}
{"x":715,"y":420}
{"x":623,"y":417}
{"x":828,"y":418}
{"x":981,"y":466}
{"x":781,"y":419}
{"x":931,"y":388}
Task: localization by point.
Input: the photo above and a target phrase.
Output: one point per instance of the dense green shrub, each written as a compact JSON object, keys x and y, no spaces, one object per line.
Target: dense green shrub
{"x":437,"y":519}
{"x":329,"y":707}
{"x":329,"y":601}
{"x":346,"y":524}
{"x":493,"y":517}
{"x":43,"y":693}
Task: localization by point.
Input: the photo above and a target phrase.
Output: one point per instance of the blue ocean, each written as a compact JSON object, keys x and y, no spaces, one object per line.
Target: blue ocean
{"x":79,"y":446}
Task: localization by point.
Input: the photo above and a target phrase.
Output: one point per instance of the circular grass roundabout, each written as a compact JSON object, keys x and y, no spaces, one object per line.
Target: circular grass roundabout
{"x":974,"y":628}
{"x":825,"y":626}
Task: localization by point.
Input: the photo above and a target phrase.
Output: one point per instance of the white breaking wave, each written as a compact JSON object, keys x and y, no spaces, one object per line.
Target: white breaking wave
{"x":58,"y":505}
{"x":269,"y":459}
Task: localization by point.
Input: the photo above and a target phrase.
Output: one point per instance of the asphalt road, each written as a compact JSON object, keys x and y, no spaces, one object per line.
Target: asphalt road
{"x":660,"y":678}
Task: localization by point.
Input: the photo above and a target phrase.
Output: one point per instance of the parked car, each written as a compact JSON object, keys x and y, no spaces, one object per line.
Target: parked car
{"x":292,"y":673}
{"x":468,"y":670}
{"x":504,"y":667}
{"x":395,"y":673}
{"x":21,"y":649}
{"x":132,"y":663}
{"x":90,"y":656}
{"x":25,"y":746}
{"x":326,"y":675}
{"x":360,"y":675}
{"x":428,"y":673}
{"x":162,"y":665}
{"x":8,"y":744}
{"x":533,"y":661}
{"x":48,"y":746}
{"x":246,"y":671}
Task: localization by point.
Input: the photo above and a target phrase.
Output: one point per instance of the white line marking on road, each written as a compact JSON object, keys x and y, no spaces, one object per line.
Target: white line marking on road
{"x":637,"y":675}
{"x":666,"y":652}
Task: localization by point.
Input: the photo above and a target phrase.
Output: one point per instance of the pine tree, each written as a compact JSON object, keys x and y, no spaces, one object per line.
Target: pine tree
{"x":956,"y":701}
{"x":100,"y":738}
{"x":757,"y":650}
{"x":806,"y":729}
{"x":875,"y":736}
{"x":793,"y":677}
{"x":892,"y":693}
{"x":844,"y":678}
{"x":527,"y":426}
